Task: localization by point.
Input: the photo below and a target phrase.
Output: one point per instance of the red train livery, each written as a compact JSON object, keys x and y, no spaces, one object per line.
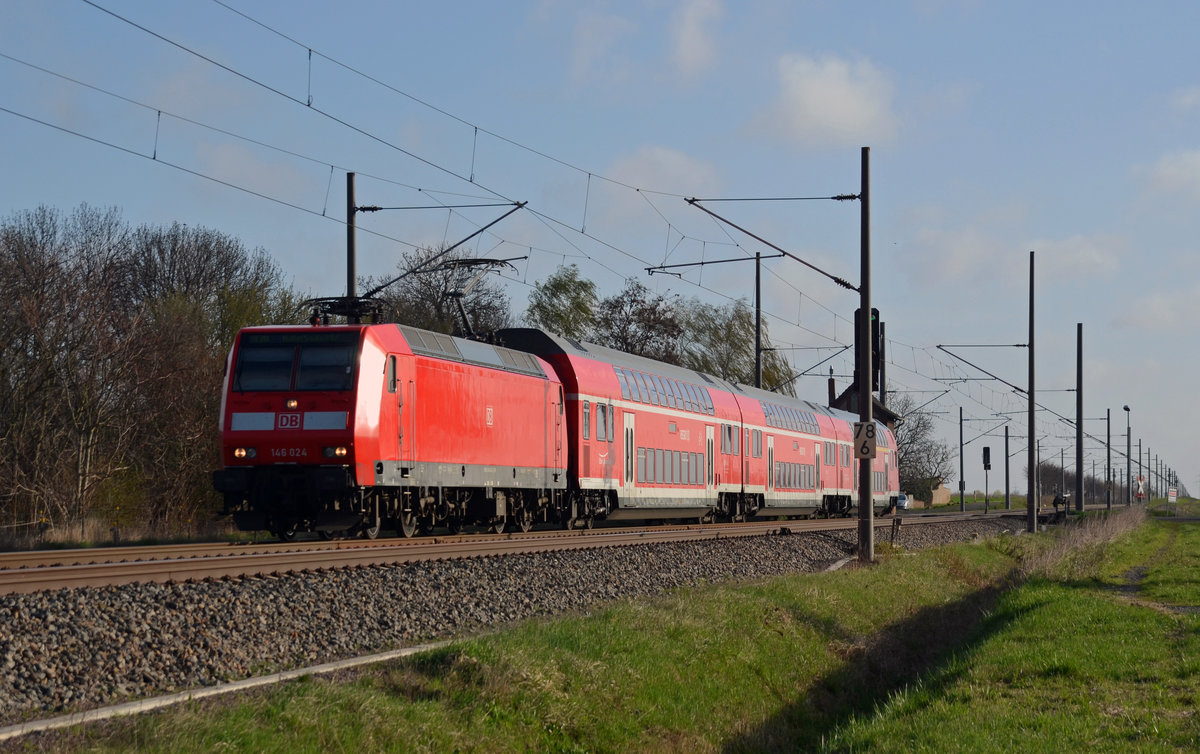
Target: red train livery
{"x":346,"y":429}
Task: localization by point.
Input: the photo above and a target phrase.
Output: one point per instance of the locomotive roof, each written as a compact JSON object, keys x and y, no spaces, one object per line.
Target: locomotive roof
{"x":442,"y":346}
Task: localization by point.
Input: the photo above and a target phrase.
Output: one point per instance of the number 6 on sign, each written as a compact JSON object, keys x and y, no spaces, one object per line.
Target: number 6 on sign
{"x":864,"y":439}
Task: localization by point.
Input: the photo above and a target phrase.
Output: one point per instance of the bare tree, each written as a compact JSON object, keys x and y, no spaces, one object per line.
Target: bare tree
{"x":110,"y":374}
{"x":640,"y":322}
{"x":433,"y":281}
{"x":720,"y":341}
{"x":923,"y":461}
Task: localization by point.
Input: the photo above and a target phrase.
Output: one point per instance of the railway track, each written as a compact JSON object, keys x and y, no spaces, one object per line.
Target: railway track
{"x":25,"y":572}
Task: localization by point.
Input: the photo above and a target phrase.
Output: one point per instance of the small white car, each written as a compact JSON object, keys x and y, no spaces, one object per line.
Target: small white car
{"x":902,"y":502}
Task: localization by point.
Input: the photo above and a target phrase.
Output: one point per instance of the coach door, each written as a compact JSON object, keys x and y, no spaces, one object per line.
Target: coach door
{"x":629,"y":456}
{"x":817,"y":458}
{"x":558,"y":433}
{"x":770,"y":462}
{"x":708,"y":457}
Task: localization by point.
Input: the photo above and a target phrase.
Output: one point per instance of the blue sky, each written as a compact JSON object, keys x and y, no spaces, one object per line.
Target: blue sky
{"x":995,"y":128}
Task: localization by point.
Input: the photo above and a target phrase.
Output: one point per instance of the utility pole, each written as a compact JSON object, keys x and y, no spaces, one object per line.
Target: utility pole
{"x":1031,"y":507}
{"x":1079,"y":417}
{"x":962,"y":477}
{"x":882,"y":364}
{"x":866,"y":508}
{"x":1007,"y":493}
{"x":351,"y":251}
{"x":1108,"y":461}
{"x":758,"y":319}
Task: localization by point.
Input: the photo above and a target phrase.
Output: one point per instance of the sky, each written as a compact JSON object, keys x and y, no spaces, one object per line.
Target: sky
{"x":994,"y":129}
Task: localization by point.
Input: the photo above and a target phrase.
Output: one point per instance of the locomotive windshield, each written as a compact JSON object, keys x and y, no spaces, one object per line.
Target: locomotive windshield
{"x":279,"y":361}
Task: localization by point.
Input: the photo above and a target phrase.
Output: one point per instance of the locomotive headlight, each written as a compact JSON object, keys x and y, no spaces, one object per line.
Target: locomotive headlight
{"x":338,"y":452}
{"x":244,"y":453}
{"x":292,"y":403}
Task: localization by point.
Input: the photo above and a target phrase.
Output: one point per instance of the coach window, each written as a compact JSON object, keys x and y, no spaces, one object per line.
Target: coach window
{"x":612,"y":418}
{"x":624,"y":385}
{"x":587,"y":419}
{"x":601,"y":421}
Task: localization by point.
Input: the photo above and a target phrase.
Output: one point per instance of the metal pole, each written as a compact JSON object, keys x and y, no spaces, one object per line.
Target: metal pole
{"x":1079,"y":417}
{"x":758,"y":319}
{"x":1108,"y":461}
{"x":1038,"y":479}
{"x":866,"y":509}
{"x":962,"y":477}
{"x":882,"y":365}
{"x":1129,"y":460}
{"x":1007,"y":492}
{"x":1031,"y":505}
{"x":351,"y":252}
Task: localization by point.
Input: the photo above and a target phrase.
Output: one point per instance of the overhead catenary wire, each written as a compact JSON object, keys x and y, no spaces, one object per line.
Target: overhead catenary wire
{"x":547,"y":219}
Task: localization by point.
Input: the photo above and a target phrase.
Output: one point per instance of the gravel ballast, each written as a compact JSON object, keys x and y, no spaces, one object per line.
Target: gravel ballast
{"x":73,"y":649}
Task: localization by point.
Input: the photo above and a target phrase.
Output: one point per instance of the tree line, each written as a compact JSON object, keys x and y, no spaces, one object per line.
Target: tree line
{"x":117,"y":339}
{"x":110,"y":368}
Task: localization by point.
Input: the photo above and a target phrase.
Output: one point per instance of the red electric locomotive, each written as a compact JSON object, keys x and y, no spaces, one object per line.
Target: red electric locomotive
{"x":340,"y":429}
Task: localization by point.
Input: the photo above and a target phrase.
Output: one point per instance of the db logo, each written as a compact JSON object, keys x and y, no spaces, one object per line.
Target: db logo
{"x":287,"y":421}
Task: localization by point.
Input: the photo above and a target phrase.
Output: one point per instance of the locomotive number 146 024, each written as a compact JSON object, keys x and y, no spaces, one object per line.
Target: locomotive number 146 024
{"x":289,"y":452}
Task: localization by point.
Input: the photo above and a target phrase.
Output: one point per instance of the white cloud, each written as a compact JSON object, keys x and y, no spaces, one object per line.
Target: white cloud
{"x":1178,"y":174}
{"x":1186,"y":99}
{"x":938,"y":257}
{"x":665,"y":169}
{"x":1080,"y":256}
{"x":830,"y":102}
{"x":656,"y":168}
{"x":595,"y":37}
{"x":1157,"y":311}
{"x":693,"y":49}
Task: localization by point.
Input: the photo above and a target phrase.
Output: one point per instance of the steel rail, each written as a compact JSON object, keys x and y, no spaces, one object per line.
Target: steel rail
{"x":195,"y":562}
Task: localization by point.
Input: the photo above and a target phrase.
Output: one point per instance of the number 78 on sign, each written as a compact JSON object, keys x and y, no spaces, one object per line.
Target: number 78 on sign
{"x":864,"y":439}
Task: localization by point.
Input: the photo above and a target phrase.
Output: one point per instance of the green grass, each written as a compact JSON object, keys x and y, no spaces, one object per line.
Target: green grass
{"x":1034,"y":643}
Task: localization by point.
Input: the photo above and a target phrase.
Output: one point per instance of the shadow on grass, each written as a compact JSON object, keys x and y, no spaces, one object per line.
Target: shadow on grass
{"x":921,"y":648}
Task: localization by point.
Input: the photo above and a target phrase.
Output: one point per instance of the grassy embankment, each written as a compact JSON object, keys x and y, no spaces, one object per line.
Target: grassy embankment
{"x":1053,"y":642}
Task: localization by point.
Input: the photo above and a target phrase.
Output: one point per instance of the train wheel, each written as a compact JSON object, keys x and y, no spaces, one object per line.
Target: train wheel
{"x":371,"y":532}
{"x":408,"y":524}
{"x":287,"y":532}
{"x":498,"y":526}
{"x":455,"y":525}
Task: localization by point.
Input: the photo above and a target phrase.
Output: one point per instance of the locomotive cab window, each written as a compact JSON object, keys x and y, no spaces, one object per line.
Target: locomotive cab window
{"x":296,"y":361}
